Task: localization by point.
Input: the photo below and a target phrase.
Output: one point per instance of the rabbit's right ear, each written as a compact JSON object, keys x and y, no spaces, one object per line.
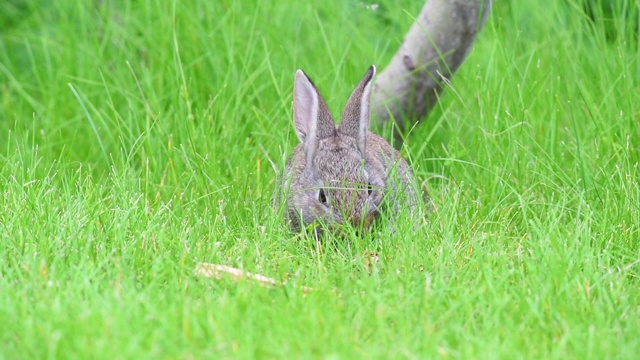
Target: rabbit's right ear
{"x":311,"y":117}
{"x":356,"y":115}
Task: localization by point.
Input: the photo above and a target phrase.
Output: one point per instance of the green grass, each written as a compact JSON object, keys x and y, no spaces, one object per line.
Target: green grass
{"x":137,"y":140}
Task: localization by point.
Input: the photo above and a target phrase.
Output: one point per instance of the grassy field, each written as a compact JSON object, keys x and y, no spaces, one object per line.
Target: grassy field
{"x":138,"y":139}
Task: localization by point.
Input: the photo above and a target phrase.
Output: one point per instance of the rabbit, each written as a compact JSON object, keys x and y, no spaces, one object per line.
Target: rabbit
{"x":340,"y":174}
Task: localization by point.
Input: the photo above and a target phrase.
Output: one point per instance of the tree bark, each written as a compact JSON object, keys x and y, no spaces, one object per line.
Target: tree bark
{"x":433,"y":49}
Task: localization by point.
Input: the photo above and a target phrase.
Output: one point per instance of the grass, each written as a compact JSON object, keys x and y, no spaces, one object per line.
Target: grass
{"x":140,"y":138}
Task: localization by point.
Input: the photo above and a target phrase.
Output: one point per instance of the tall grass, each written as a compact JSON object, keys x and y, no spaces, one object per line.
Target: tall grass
{"x":138,"y":139}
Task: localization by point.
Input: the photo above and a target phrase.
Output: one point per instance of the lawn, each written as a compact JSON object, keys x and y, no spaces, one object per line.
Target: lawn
{"x":139,"y":139}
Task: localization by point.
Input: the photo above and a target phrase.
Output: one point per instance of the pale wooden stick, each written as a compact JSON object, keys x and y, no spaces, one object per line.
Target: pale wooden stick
{"x":218,"y":271}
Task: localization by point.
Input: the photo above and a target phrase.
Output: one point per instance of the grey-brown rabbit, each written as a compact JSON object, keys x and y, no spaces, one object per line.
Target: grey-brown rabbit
{"x":340,"y":174}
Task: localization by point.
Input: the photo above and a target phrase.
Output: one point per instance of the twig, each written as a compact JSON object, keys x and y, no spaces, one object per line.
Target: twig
{"x":218,"y":271}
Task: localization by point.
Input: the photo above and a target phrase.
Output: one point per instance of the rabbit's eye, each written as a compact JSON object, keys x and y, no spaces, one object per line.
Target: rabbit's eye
{"x":322,"y":197}
{"x":369,"y":189}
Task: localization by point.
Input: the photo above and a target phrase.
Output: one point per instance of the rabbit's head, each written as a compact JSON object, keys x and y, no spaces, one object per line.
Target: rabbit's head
{"x":332,"y":177}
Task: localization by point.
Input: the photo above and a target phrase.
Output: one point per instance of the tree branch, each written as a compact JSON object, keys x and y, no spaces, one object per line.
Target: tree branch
{"x":433,"y":49}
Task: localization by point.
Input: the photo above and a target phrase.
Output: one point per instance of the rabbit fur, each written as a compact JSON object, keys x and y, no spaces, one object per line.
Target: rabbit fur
{"x":340,"y":174}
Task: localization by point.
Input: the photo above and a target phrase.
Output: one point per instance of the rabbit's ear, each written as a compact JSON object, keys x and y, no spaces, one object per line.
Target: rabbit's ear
{"x":356,"y":114}
{"x":311,"y":117}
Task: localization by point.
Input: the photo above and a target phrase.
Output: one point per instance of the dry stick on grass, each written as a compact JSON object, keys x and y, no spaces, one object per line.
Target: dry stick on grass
{"x":433,"y":49}
{"x":218,"y":271}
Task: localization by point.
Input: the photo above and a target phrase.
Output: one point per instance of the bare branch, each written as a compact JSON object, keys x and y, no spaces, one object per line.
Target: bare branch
{"x":218,"y":271}
{"x":433,"y":49}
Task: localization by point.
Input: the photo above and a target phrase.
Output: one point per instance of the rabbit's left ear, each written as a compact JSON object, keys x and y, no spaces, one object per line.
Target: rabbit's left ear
{"x":305,"y":107}
{"x":356,"y":114}
{"x":311,"y":117}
